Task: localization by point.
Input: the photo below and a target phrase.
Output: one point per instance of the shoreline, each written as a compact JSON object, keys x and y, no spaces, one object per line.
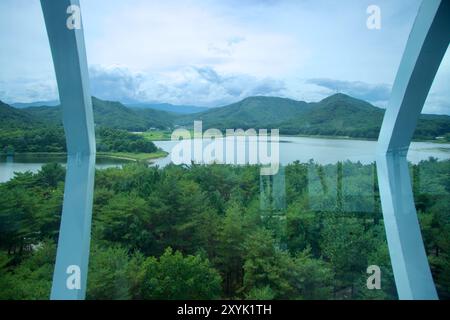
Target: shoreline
{"x":132,"y":157}
{"x":161,"y":136}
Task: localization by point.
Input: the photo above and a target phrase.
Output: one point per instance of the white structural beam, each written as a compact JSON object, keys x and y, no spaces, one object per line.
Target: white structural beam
{"x":65,"y":33}
{"x":423,"y":55}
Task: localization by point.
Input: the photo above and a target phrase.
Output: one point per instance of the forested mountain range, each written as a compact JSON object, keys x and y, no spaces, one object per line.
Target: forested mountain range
{"x":337,"y":115}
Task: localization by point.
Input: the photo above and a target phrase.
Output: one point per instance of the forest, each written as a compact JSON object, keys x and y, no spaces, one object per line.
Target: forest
{"x":221,"y":231}
{"x":52,"y":139}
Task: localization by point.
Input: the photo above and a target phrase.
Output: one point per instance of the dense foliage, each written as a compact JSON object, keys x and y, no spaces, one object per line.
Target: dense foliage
{"x":114,"y":140}
{"x":52,"y":139}
{"x":39,"y":139}
{"x":204,"y":232}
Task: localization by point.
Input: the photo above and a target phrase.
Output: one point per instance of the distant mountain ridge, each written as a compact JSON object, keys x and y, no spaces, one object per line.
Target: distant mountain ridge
{"x":252,"y":112}
{"x":11,"y":117}
{"x":109,"y":114}
{"x":337,"y":115}
{"x":181,"y":109}
{"x":22,"y":105}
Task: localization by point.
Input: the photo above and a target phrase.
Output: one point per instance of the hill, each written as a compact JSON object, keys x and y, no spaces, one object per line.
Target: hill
{"x":253,"y":112}
{"x":13,"y":118}
{"x":337,"y":115}
{"x":109,"y":114}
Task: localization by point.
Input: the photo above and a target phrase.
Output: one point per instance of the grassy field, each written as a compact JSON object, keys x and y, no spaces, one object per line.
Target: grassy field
{"x":156,"y":135}
{"x":166,"y":135}
{"x":133,"y":156}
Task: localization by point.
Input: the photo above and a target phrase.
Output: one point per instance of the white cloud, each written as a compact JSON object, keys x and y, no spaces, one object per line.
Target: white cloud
{"x":28,"y":90}
{"x":190,"y":85}
{"x":378,"y":94}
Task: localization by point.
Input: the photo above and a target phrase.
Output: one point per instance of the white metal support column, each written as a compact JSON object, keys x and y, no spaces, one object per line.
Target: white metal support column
{"x":69,"y":59}
{"x":425,"y":49}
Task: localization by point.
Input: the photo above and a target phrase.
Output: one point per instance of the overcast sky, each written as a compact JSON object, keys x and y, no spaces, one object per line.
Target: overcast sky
{"x":211,"y":53}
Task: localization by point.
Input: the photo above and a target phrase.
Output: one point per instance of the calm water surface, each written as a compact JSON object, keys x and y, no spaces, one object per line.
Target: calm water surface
{"x":324,"y":151}
{"x":328,"y":151}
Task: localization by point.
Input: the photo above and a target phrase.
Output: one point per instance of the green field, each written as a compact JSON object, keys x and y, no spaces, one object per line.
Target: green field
{"x":61,"y":156}
{"x":156,"y":135}
{"x":133,"y":156}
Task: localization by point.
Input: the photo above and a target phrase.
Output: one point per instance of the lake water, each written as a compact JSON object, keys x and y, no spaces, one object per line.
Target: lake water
{"x":9,"y":165}
{"x":324,"y":151}
{"x":329,"y":151}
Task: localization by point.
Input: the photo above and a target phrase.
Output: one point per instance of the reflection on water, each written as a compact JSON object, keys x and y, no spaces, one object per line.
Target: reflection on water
{"x":273,"y":191}
{"x":341,"y":187}
{"x":344,"y":187}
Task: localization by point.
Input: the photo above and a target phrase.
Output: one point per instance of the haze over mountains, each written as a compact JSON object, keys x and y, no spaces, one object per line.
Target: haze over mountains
{"x":337,"y":115}
{"x":22,"y":105}
{"x":109,"y":114}
{"x":182,"y":109}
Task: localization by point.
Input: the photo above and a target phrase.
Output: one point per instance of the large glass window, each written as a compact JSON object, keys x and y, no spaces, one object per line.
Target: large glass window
{"x":186,"y":206}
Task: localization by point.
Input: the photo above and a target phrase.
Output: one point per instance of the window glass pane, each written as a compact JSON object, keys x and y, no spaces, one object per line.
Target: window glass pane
{"x":222,"y":214}
{"x":32,"y":156}
{"x":431,"y":177}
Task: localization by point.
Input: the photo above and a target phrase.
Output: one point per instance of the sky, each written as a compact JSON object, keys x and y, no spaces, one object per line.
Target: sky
{"x":212,"y":53}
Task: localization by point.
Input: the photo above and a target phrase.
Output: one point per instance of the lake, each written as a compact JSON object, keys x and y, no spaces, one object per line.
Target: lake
{"x":329,"y":151}
{"x":23,"y":163}
{"x":324,"y":151}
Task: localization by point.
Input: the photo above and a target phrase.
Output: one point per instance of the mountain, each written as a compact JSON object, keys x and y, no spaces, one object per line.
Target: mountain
{"x":180,"y":109}
{"x":116,"y":115}
{"x":21,"y":105}
{"x":11,"y":118}
{"x":253,"y":112}
{"x":110,"y":114}
{"x":342,"y":115}
{"x":337,"y":115}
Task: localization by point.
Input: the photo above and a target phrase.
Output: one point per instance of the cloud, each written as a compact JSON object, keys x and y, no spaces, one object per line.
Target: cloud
{"x":115,"y":83}
{"x":29,"y":90}
{"x":438,"y":101}
{"x":375,"y":93}
{"x":190,"y":85}
{"x":216,"y":52}
{"x":225,"y":48}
